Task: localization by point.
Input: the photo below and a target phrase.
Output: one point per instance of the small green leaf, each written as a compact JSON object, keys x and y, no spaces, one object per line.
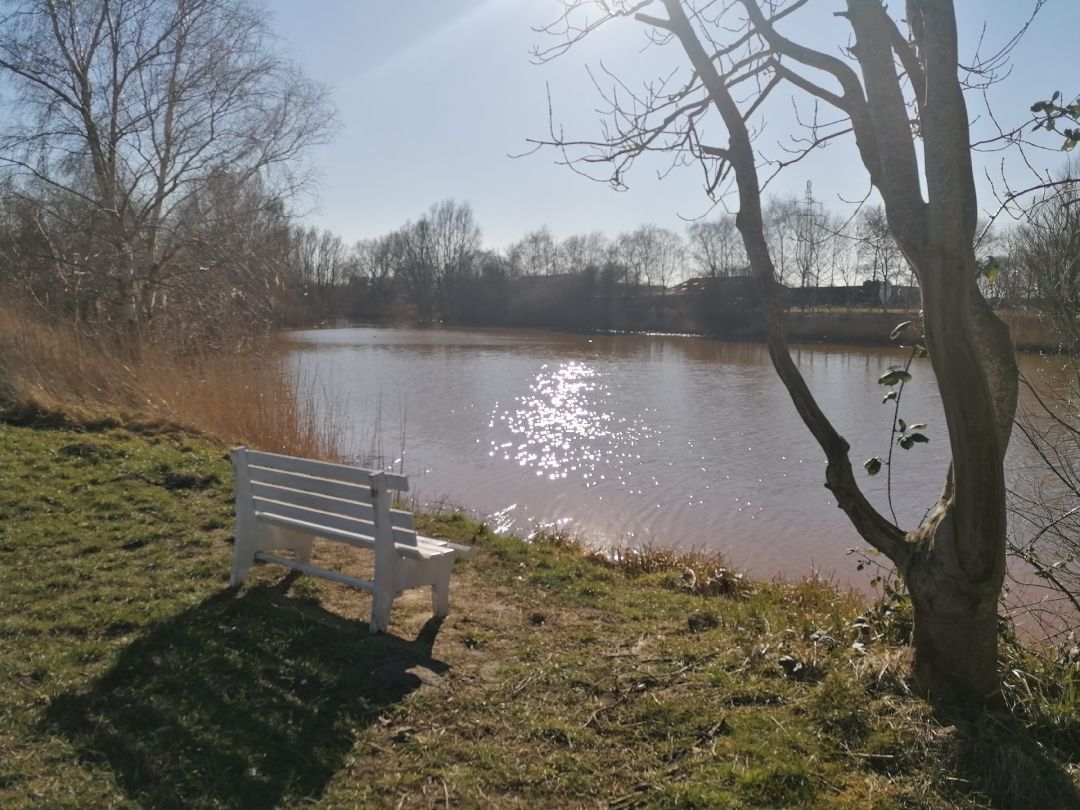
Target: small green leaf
{"x":894,"y":376}
{"x":901,"y":425}
{"x":899,"y":330}
{"x":917,"y":426}
{"x":920,"y":350}
{"x":991,"y":269}
{"x":873,"y":465}
{"x":909,"y":440}
{"x":890,"y":395}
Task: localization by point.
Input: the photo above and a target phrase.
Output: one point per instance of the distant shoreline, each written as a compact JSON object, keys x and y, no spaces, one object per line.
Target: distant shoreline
{"x":1031,"y":331}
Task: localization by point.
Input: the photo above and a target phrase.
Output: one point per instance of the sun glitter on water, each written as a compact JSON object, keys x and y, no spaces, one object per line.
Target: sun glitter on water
{"x":565,"y":425}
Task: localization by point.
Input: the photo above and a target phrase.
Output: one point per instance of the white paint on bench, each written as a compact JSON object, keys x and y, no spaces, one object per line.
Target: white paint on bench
{"x":285,"y":503}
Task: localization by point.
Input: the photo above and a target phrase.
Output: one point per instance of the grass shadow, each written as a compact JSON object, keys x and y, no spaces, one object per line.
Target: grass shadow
{"x":244,"y":700}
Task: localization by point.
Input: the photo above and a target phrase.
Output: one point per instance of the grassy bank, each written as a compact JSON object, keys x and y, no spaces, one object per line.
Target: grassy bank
{"x":134,"y":677}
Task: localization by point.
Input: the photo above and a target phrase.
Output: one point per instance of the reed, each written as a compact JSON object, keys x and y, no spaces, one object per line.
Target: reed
{"x":250,"y":397}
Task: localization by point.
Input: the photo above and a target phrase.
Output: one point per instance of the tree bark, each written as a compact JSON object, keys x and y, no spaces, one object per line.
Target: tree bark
{"x":955,"y":618}
{"x":956,"y":573}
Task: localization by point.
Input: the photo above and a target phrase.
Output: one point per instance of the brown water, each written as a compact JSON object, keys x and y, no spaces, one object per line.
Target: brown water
{"x":631,"y":439}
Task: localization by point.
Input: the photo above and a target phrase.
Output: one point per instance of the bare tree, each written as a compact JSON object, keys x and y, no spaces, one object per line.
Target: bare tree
{"x":954,"y":562}
{"x":380,"y":261}
{"x":231,"y":279}
{"x":715,"y":247}
{"x":1045,"y":500}
{"x":580,"y":252}
{"x":838,"y":254}
{"x":781,"y":225}
{"x":1045,"y":251}
{"x":880,"y":253}
{"x":535,"y":254}
{"x":670,"y":261}
{"x":630,"y":253}
{"x":456,"y":243}
{"x":438,"y":253}
{"x":417,"y":268}
{"x":54,"y":271}
{"x":810,"y":238}
{"x":129,"y":107}
{"x":320,"y":257}
{"x":650,"y":254}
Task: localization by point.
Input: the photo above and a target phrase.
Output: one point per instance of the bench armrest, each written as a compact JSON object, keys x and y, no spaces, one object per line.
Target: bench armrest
{"x":460,"y":549}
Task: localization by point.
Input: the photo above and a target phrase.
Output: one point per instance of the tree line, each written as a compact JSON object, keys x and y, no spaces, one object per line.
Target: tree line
{"x":436,"y":267}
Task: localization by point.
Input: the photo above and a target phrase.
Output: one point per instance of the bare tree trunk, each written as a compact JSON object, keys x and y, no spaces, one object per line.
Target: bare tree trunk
{"x":956,"y":574}
{"x":127,"y":303}
{"x":955,"y":618}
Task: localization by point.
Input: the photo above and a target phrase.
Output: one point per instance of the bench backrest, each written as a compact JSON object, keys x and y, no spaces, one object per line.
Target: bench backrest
{"x":321,"y":493}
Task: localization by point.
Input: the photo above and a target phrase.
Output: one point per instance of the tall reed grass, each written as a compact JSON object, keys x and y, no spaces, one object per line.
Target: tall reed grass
{"x":249,"y":397}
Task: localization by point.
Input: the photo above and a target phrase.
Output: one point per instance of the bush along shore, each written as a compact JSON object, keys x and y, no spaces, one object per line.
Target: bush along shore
{"x":135,"y":677}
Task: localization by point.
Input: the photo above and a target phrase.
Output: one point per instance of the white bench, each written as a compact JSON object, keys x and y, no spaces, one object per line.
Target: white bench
{"x":285,"y":503}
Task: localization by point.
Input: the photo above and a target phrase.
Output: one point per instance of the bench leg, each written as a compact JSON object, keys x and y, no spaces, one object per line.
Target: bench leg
{"x":440,"y":589}
{"x":382,"y":604}
{"x":298,"y":543}
{"x":303,"y":552}
{"x":244,"y":549}
{"x":240,"y":568}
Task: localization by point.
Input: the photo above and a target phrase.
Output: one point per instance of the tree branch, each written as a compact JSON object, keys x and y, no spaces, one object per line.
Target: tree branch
{"x":840,"y":479}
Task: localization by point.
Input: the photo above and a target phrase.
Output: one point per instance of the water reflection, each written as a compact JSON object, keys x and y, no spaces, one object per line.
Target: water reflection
{"x":566,"y":424}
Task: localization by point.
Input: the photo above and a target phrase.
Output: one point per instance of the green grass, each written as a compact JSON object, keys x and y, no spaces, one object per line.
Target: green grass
{"x":134,"y":677}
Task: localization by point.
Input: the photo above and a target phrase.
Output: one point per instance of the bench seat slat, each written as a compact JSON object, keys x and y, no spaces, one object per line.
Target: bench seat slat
{"x":323,"y":469}
{"x":334,"y":576}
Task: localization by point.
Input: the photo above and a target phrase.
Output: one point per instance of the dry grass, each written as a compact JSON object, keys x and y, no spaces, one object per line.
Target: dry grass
{"x":701,"y":571}
{"x":249,"y":397}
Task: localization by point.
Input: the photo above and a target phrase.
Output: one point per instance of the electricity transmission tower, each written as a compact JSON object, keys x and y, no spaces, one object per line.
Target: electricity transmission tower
{"x":808,"y":237}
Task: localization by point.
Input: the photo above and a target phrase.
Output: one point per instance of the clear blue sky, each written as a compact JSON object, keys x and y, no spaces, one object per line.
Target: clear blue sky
{"x":434,"y":95}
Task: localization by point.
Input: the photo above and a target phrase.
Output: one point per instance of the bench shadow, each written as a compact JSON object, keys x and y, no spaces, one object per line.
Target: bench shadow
{"x":245,"y":700}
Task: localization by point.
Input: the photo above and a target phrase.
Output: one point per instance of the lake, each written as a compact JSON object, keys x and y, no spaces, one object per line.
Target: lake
{"x":629,"y":440}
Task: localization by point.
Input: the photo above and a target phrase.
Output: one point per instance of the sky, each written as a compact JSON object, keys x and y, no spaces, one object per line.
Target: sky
{"x":435,"y":97}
